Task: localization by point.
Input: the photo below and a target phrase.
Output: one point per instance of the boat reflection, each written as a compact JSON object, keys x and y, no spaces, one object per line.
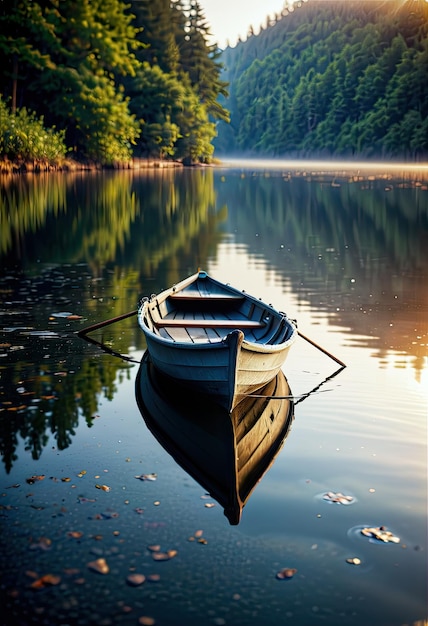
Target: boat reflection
{"x":226,"y":453}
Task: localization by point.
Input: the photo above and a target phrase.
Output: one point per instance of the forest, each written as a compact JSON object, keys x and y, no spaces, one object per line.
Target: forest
{"x":104,"y":80}
{"x":328,"y":78}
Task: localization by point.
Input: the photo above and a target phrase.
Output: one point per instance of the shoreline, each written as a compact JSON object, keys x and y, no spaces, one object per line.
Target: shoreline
{"x":36,"y":167}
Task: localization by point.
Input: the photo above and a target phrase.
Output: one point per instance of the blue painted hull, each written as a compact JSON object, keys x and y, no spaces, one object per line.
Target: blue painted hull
{"x":215,"y":339}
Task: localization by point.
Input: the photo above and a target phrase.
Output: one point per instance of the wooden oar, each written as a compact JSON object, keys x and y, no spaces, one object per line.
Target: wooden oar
{"x":321,"y":349}
{"x":89,"y":329}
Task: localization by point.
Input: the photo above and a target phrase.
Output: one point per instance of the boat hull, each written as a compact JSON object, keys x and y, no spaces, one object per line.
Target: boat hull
{"x":230,"y":366}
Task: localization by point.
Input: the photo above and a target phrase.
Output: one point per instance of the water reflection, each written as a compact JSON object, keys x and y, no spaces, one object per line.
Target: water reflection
{"x":352,"y":246}
{"x":226,"y":453}
{"x":50,"y":380}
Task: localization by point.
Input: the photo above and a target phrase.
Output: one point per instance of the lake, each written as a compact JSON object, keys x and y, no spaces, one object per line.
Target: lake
{"x":101,"y":523}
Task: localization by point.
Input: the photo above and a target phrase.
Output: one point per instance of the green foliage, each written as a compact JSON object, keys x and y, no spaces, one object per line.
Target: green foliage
{"x":114,"y":77}
{"x":333,"y":78}
{"x":23,"y":137}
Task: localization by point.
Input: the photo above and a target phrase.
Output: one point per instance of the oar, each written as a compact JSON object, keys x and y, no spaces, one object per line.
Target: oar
{"x":321,"y":349}
{"x":89,"y":329}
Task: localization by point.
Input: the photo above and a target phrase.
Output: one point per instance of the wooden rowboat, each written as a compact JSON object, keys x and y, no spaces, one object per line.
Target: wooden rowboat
{"x":226,"y":453}
{"x":216,"y":339}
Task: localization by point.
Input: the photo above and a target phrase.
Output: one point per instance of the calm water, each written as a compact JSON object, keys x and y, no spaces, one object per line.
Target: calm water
{"x":344,"y":250}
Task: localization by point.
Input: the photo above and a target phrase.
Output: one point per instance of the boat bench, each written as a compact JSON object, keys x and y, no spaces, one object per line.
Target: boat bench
{"x":196,"y":296}
{"x":204,"y":323}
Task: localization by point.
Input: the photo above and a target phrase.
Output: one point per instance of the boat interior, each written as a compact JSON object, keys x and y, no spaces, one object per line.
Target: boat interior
{"x":189,"y":316}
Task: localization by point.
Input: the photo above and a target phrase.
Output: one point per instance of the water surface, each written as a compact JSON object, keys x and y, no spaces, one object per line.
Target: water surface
{"x":341,"y":248}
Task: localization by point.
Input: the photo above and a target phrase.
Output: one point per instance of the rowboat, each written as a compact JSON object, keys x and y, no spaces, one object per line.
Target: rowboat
{"x":214,"y":338}
{"x":226,"y":453}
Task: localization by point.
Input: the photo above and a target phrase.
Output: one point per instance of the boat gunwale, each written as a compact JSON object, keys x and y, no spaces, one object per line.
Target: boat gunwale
{"x":255,"y":346}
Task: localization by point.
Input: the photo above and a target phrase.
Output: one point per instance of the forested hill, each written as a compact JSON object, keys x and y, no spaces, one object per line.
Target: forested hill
{"x":104,"y":80}
{"x":332,"y":77}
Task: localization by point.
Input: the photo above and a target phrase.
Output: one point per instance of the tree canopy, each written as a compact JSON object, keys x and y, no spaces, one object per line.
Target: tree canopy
{"x":332,"y":78}
{"x":117,"y":78}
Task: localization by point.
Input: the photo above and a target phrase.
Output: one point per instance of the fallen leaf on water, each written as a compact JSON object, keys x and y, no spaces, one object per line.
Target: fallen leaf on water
{"x":164,"y":556}
{"x":135,"y":580}
{"x":286,"y":573}
{"x":149,"y":477}
{"x":381,"y":534}
{"x":99,"y":565}
{"x":75,"y":534}
{"x":47,"y":580}
{"x":338,"y":498}
{"x":34,"y":479}
{"x":103,"y":487}
{"x":354,"y":561}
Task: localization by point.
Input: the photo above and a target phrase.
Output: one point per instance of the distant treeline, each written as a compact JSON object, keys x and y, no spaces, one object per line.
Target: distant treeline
{"x":109,"y":79}
{"x":332,"y":77}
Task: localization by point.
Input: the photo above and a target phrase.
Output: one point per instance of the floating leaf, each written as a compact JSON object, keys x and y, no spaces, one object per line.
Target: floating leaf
{"x":164,"y":556}
{"x":354,"y":561}
{"x":338,"y":498}
{"x":149,"y":477}
{"x":286,"y":573}
{"x":47,"y":580}
{"x":155,"y":548}
{"x":145,"y":620}
{"x":135,"y":580}
{"x":381,"y":534}
{"x":103,"y":487}
{"x":99,"y":565}
{"x":34,"y":479}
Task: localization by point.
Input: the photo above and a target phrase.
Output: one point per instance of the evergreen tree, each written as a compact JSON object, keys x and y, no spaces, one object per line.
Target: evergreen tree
{"x":351,"y":78}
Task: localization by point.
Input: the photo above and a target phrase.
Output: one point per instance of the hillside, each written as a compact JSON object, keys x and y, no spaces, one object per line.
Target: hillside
{"x":331,"y":78}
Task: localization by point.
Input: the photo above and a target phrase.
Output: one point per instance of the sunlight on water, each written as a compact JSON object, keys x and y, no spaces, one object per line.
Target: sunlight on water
{"x":375,"y":169}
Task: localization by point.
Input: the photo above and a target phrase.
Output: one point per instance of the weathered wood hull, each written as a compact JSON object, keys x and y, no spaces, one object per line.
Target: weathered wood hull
{"x":216,"y":339}
{"x":226,"y":453}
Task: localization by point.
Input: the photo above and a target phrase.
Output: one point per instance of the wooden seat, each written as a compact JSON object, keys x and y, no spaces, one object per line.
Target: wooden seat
{"x":196,"y":297}
{"x":203,"y":323}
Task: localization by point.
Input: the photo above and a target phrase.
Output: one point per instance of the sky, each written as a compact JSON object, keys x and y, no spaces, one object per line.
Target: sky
{"x":230,"y":19}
